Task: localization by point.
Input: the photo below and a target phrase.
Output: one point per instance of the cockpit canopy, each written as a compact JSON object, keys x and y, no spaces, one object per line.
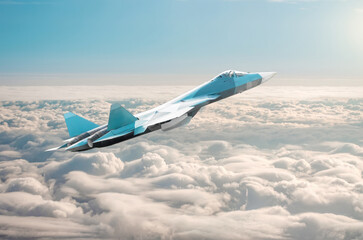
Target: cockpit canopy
{"x":231,"y":73}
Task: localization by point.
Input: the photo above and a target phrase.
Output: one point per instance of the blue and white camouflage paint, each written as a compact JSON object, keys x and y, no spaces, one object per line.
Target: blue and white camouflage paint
{"x":122,"y":125}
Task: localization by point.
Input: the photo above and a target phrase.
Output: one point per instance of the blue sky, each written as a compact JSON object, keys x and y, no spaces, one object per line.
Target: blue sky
{"x":298,"y":39}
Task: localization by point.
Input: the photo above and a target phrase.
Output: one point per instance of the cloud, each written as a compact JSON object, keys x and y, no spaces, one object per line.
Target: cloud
{"x":95,"y":164}
{"x":273,"y":163}
{"x":325,"y":226}
{"x":46,"y":228}
{"x":28,"y":184}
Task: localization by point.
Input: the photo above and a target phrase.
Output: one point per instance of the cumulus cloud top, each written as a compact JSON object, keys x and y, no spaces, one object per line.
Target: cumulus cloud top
{"x":256,"y":166}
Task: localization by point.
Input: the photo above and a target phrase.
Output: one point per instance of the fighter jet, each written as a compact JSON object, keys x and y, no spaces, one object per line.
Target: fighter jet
{"x":123,"y":125}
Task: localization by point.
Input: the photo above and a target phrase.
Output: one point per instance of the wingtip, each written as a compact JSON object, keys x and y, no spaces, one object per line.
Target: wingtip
{"x":52,"y":149}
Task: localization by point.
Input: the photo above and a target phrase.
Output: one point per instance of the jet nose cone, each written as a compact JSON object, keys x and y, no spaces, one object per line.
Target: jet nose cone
{"x":266,"y":76}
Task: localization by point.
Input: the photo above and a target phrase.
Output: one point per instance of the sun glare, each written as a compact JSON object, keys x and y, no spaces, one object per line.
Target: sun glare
{"x":356,"y":28}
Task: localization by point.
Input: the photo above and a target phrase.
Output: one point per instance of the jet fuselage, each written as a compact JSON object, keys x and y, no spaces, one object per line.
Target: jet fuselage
{"x":123,"y":125}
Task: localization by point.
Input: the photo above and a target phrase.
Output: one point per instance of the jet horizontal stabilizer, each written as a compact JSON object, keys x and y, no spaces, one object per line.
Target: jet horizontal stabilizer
{"x":56,"y":148}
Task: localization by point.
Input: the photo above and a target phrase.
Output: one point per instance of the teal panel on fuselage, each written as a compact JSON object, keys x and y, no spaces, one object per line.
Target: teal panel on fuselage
{"x":247,"y":82}
{"x":224,"y":86}
{"x":219,"y":85}
{"x":216,"y":86}
{"x":239,"y":81}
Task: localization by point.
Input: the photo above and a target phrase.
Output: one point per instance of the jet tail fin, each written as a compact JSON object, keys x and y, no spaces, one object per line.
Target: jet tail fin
{"x":119,"y":117}
{"x":77,"y":125}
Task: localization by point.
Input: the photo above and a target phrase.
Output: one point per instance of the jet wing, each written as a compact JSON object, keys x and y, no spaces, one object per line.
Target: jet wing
{"x":200,"y":100}
{"x":173,"y":111}
{"x":160,"y":117}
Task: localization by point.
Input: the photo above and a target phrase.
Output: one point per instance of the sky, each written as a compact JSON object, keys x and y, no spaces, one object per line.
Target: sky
{"x":184,"y":42}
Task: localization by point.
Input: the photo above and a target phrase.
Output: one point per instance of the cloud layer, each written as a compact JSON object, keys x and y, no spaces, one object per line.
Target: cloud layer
{"x":259,"y":165}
